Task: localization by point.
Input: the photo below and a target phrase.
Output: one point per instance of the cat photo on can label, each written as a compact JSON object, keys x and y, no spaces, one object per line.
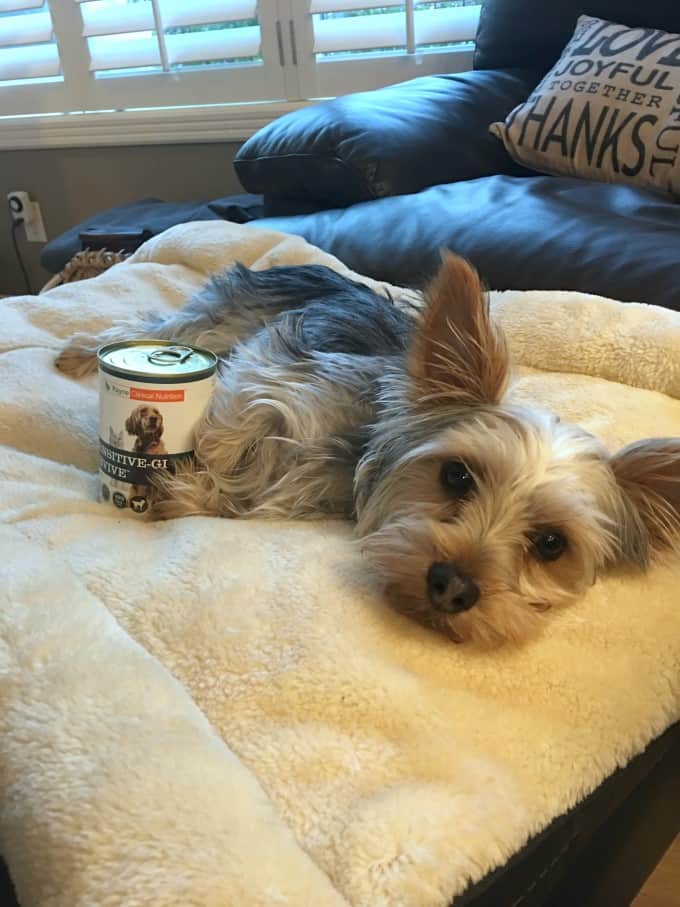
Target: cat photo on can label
{"x":116,"y":438}
{"x":112,"y":489}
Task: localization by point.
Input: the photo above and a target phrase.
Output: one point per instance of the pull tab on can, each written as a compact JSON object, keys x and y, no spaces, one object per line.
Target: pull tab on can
{"x":170,"y":355}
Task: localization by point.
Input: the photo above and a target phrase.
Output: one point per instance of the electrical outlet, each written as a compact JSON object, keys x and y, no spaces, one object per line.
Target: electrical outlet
{"x":18,"y":203}
{"x":22,"y":208}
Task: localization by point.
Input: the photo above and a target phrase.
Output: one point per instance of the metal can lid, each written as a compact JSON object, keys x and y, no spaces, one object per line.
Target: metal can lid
{"x":162,"y":361}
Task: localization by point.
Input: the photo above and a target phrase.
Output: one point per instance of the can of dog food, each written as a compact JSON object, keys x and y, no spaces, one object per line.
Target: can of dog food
{"x":152,"y":395}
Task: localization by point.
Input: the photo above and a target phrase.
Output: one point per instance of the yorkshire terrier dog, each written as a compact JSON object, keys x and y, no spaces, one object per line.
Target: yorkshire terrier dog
{"x":479,"y":514}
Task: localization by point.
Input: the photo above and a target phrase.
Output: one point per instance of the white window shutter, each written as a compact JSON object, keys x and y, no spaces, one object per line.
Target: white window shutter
{"x":125,"y":54}
{"x":373,"y":25}
{"x":352,"y":44}
{"x":165,"y":34}
{"x":28,"y":50}
{"x":108,"y":56}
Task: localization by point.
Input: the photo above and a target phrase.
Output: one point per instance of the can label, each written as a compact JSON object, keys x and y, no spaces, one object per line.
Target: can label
{"x":145,"y":428}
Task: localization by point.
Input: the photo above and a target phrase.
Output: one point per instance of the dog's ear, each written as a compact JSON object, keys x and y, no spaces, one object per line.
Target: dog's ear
{"x":132,"y":422}
{"x":159,"y":428}
{"x":648,"y":475}
{"x":457,"y":353}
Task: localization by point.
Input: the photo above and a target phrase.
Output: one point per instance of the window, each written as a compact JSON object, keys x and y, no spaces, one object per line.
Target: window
{"x":355,"y":44}
{"x":109,"y":56}
{"x":177,"y":52}
{"x":93,"y":55}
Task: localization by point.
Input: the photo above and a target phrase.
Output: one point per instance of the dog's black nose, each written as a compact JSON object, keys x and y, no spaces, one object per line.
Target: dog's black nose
{"x":449,"y":589}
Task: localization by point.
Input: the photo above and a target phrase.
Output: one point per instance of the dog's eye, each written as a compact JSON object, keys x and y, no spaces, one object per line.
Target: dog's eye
{"x":548,"y":544}
{"x":457,"y":478}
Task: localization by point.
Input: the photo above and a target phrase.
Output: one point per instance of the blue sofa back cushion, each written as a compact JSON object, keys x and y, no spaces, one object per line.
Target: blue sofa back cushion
{"x":533,"y":33}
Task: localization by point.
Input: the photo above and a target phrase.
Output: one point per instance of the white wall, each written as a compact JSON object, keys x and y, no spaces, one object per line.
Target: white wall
{"x":73,"y":184}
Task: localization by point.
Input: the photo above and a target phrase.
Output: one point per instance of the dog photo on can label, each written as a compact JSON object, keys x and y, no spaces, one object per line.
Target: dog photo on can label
{"x":145,"y":424}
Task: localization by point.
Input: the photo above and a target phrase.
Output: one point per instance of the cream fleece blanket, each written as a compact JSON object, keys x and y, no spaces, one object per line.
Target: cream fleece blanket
{"x":207,"y":712}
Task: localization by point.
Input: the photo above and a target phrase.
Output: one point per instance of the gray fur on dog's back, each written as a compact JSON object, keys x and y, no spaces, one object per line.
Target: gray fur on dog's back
{"x":325,"y":311}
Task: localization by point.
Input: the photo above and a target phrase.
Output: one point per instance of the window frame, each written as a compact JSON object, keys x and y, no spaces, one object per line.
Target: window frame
{"x":195,"y":106}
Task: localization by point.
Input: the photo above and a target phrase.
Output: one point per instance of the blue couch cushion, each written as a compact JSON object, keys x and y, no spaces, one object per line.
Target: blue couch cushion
{"x":527,"y":234}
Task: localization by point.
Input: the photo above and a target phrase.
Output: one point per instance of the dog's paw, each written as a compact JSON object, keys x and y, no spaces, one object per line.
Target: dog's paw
{"x":79,"y":357}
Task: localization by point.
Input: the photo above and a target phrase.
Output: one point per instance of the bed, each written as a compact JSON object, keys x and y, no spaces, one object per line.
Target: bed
{"x":204,"y":712}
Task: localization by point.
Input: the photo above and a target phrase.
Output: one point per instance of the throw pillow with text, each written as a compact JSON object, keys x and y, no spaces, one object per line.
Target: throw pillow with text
{"x":608,"y":110}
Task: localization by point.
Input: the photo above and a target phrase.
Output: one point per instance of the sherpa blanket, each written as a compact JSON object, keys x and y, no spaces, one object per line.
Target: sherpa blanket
{"x":212,"y":712}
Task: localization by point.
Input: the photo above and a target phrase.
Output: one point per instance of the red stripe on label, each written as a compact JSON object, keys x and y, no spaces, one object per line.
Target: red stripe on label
{"x":154,"y":395}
